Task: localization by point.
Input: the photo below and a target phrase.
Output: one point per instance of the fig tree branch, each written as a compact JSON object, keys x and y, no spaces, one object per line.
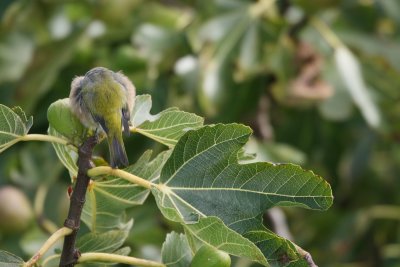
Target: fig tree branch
{"x":70,"y":254}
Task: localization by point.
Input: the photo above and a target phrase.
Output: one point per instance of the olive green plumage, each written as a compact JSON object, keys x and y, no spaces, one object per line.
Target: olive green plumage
{"x":103,"y":100}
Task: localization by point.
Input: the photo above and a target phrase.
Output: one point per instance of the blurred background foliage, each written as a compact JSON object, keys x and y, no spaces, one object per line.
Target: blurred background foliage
{"x":318,"y":81}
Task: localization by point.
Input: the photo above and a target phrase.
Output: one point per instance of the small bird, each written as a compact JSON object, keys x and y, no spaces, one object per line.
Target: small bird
{"x":103,"y":100}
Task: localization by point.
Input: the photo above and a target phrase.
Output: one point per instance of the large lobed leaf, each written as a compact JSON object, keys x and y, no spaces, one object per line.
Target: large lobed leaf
{"x":203,"y":178}
{"x":13,"y":125}
{"x":167,"y":126}
{"x":108,"y":197}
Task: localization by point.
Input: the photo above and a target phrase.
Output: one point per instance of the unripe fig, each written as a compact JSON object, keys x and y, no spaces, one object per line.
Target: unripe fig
{"x":15,"y":210}
{"x":208,"y":256}
{"x":64,"y":121}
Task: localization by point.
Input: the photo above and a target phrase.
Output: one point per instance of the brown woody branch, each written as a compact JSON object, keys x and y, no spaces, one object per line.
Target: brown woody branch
{"x":70,"y":254}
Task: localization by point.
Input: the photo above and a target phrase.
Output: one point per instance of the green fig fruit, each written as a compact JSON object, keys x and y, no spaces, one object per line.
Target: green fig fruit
{"x":208,"y":256}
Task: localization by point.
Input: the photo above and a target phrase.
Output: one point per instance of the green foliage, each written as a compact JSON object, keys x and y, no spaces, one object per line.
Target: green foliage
{"x":63,"y":121}
{"x":167,"y":126}
{"x":13,"y":125}
{"x":202,"y":178}
{"x":109,"y":241}
{"x":194,"y":185}
{"x":317,"y":81}
{"x":9,"y":260}
{"x":208,"y":256}
{"x":68,"y":155}
{"x":176,"y":251}
{"x":109,"y":197}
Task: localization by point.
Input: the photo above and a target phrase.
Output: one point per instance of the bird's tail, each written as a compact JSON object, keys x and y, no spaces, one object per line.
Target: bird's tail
{"x":118,"y":155}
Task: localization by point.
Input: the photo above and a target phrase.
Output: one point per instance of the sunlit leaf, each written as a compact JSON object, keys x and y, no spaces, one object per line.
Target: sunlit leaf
{"x":108,"y":197}
{"x":16,"y":51}
{"x":13,"y":126}
{"x":203,"y":178}
{"x":350,"y":71}
{"x":27,"y":121}
{"x":372,"y":45}
{"x":274,"y":152}
{"x":68,"y":155}
{"x":167,"y":126}
{"x":340,"y":105}
{"x":249,"y":50}
{"x":155,"y":41}
{"x":219,"y":27}
{"x":176,"y":251}
{"x":9,"y":260}
{"x":107,"y":242}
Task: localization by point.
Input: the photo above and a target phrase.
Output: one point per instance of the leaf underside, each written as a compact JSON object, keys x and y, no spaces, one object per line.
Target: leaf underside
{"x":13,"y":125}
{"x":167,"y":126}
{"x":108,"y":197}
{"x":176,"y":251}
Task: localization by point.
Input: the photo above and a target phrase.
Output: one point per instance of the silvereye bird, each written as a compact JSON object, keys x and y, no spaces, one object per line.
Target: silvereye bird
{"x":103,"y":100}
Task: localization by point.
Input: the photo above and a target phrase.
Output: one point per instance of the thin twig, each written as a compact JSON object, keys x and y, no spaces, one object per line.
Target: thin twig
{"x":104,"y":170}
{"x":44,"y":138}
{"x":48,"y":244}
{"x":106,"y":257}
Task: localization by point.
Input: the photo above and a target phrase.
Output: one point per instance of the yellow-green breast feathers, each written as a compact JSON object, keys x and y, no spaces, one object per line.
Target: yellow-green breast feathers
{"x":103,"y":100}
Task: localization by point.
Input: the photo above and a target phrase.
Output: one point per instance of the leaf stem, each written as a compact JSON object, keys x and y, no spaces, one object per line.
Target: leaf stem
{"x":104,"y":170}
{"x":60,"y":233}
{"x":330,"y":37}
{"x":306,"y":256}
{"x":44,"y":137}
{"x":107,"y":257}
